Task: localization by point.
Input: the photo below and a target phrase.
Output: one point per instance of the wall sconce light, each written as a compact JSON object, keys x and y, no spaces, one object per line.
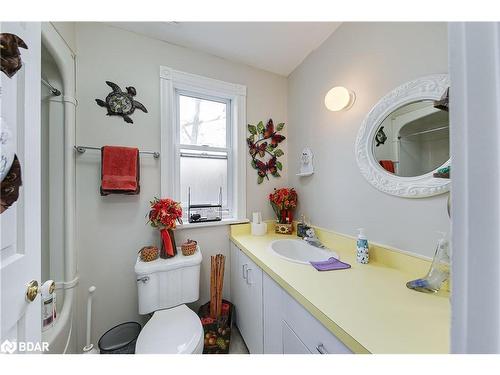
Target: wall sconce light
{"x":339,"y":99}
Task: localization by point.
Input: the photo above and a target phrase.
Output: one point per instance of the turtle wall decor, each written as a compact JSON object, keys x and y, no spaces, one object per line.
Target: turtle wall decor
{"x":263,"y":143}
{"x":380,"y":137}
{"x":121,"y":103}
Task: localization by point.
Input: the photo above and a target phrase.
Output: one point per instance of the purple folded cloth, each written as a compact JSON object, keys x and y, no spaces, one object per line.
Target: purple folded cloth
{"x":330,"y":265}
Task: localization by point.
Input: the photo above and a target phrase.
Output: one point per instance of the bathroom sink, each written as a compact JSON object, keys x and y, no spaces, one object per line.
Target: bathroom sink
{"x":299,"y":251}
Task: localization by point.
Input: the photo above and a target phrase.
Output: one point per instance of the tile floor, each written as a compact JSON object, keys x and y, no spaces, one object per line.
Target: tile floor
{"x":237,"y":346}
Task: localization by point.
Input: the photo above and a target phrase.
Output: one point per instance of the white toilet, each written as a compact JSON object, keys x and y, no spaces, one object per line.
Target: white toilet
{"x":164,"y":287}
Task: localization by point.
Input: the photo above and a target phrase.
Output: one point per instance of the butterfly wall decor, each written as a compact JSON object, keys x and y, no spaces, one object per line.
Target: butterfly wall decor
{"x":263,"y":145}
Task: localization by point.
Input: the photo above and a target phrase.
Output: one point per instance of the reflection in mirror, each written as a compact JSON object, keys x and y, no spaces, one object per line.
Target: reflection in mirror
{"x":413,"y":140}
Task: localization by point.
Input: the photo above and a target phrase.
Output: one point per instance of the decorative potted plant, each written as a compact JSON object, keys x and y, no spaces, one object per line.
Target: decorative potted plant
{"x":164,"y":215}
{"x":283,"y":202}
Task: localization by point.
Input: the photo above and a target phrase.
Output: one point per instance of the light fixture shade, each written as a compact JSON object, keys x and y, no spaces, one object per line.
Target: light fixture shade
{"x":339,"y":98}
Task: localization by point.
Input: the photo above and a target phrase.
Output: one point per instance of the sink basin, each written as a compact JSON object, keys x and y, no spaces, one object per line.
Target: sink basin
{"x":299,"y":251}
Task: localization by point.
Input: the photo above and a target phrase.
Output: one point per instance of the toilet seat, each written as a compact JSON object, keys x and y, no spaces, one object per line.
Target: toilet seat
{"x":177,"y":330}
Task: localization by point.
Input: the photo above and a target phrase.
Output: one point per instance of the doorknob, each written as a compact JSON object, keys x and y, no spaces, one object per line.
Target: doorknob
{"x":32,"y":290}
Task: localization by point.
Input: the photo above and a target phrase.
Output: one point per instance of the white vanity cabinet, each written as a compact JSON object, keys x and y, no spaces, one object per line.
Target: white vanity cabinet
{"x":270,"y":320}
{"x":246,"y":293}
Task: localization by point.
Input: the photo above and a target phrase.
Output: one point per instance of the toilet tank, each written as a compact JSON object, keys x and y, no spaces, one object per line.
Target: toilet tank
{"x":165,"y":283}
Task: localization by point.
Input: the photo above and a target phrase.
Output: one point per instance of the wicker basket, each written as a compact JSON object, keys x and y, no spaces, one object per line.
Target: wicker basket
{"x":149,"y":253}
{"x":189,"y":247}
{"x":217,"y":331}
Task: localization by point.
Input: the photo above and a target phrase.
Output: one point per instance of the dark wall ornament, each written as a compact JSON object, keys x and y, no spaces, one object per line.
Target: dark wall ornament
{"x":380,"y":137}
{"x":10,"y":56}
{"x":263,"y":147}
{"x":121,"y":103}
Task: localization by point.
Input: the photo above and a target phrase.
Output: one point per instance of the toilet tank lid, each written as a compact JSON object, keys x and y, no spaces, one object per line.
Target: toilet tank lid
{"x":160,"y":265}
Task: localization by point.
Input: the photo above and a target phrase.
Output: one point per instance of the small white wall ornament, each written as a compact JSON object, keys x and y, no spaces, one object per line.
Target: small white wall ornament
{"x":306,"y":163}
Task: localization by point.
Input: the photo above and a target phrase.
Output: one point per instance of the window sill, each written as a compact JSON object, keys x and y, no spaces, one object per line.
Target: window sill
{"x":211,"y":224}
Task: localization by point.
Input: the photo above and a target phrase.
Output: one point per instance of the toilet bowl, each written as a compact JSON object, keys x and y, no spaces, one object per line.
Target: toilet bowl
{"x":164,"y":286}
{"x":172,"y":331}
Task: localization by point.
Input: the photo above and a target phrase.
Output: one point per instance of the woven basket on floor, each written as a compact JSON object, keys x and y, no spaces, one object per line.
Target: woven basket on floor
{"x":189,"y":247}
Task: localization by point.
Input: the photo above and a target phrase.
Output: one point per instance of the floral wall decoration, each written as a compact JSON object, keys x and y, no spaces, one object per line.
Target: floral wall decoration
{"x":263,"y":145}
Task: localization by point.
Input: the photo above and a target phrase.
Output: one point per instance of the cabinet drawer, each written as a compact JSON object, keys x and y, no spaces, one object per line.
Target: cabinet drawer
{"x":291,"y":343}
{"x":317,"y":338}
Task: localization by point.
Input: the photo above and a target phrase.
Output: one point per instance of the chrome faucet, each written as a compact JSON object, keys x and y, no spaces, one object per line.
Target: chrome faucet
{"x":312,"y":240}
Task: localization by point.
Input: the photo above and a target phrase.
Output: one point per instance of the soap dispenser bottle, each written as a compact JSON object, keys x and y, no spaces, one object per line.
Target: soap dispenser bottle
{"x":362,"y":251}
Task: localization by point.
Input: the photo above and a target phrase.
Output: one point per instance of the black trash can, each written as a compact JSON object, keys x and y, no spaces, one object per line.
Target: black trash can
{"x":120,"y":339}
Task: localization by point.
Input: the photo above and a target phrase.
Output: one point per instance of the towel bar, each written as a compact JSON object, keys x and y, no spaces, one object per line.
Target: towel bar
{"x":82,"y":149}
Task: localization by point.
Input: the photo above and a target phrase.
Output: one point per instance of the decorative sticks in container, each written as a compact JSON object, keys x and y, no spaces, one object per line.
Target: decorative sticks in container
{"x":216,"y":284}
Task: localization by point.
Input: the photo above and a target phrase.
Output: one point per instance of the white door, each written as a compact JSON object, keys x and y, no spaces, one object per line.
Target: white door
{"x":474,"y":55}
{"x":20,"y":224}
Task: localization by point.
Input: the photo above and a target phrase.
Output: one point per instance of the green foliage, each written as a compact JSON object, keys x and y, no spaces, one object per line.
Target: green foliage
{"x":278,"y":153}
{"x":260,"y":179}
{"x":279,"y":165}
{"x":252,"y":129}
{"x":254,"y":164}
{"x":280,"y":126}
{"x":260,"y":127}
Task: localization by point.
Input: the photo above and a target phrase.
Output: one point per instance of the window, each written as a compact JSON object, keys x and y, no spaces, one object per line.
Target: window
{"x":204,"y":126}
{"x":203,"y":142}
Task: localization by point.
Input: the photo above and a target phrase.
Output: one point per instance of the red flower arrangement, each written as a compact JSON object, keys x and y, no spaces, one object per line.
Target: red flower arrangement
{"x":164,"y":215}
{"x":283,"y":201}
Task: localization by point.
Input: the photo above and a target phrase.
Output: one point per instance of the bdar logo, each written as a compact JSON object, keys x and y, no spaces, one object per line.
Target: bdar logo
{"x":8,"y":347}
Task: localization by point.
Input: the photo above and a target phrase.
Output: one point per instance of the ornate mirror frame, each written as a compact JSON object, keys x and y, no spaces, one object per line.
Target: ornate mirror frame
{"x":429,"y":87}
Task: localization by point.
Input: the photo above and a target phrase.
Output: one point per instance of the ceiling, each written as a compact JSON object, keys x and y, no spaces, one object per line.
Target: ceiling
{"x":278,"y":47}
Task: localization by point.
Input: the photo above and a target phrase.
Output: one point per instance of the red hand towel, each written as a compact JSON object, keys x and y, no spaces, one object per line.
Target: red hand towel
{"x":119,"y":170}
{"x":388,"y":165}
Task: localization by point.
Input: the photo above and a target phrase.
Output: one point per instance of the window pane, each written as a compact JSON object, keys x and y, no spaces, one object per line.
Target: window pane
{"x":202,"y":122}
{"x":205,"y":177}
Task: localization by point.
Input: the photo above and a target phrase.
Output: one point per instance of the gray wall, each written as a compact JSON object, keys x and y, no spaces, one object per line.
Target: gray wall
{"x":110,"y":230}
{"x":371,"y":59}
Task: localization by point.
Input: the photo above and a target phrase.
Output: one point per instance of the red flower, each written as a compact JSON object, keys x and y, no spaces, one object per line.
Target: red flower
{"x":165,"y":213}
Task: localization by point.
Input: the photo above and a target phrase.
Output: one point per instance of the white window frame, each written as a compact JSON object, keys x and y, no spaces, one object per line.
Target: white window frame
{"x":173,"y":83}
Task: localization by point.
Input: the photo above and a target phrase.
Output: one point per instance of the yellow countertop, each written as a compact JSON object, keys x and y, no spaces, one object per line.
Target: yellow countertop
{"x":368,"y":307}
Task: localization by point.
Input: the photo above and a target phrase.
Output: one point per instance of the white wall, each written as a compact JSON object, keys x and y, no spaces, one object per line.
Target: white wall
{"x":67,"y":30}
{"x":110,"y":230}
{"x":371,"y":59}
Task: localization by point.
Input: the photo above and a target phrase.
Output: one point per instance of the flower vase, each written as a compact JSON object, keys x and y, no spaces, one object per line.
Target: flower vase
{"x":168,"y":248}
{"x":284,"y":224}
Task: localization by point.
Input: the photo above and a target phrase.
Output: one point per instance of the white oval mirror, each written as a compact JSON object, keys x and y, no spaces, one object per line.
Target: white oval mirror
{"x":404,"y":140}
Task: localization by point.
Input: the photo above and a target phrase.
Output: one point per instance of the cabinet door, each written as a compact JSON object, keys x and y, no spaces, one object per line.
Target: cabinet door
{"x":237,"y":281}
{"x":273,"y":315}
{"x":291,"y":343}
{"x":250,"y":321}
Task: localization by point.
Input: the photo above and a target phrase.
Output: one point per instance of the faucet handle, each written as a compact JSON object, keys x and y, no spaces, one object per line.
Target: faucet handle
{"x":310,"y":233}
